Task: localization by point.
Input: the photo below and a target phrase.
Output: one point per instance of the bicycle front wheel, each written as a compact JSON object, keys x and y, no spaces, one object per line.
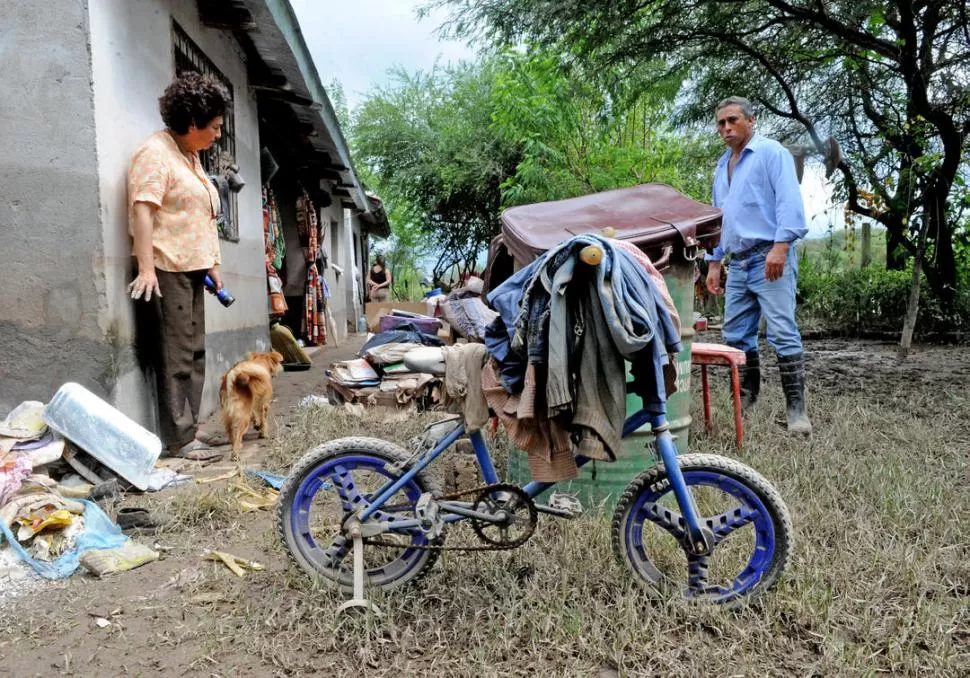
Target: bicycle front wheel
{"x":751,"y":526}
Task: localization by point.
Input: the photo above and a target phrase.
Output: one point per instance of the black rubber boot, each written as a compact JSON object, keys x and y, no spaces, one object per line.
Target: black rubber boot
{"x":750,"y":379}
{"x":792,"y":369}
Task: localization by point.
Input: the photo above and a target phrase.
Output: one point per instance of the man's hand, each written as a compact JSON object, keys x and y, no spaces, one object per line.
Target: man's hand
{"x":714,"y":278}
{"x":216,"y":275}
{"x":775,"y":261}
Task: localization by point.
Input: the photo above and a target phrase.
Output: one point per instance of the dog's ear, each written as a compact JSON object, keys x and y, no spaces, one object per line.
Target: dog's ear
{"x":277,"y":356}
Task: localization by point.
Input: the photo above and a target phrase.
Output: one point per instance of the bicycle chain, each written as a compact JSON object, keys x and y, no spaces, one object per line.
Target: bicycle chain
{"x":478,"y":491}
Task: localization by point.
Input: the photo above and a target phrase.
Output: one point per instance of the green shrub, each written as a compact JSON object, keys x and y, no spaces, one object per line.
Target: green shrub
{"x":872,"y":300}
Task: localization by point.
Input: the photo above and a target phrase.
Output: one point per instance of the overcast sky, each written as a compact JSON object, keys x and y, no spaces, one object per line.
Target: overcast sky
{"x":357,"y":41}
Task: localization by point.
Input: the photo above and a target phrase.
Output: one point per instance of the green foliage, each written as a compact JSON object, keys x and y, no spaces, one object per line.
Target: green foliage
{"x":428,"y":143}
{"x":829,"y":254}
{"x":886,"y":78}
{"x":861,"y":302}
{"x":339,"y":101}
{"x":448,"y":150}
{"x":404,"y":251}
{"x":581,"y":133}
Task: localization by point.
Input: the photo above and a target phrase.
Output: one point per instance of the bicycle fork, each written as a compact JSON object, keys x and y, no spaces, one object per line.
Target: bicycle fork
{"x":699,"y":541}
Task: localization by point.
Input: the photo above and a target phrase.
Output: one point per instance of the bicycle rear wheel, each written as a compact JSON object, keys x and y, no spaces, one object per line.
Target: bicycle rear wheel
{"x":333,"y":481}
{"x":751,"y":525}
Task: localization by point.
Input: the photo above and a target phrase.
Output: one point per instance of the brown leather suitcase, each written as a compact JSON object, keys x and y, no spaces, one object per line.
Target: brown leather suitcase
{"x":655,"y":217}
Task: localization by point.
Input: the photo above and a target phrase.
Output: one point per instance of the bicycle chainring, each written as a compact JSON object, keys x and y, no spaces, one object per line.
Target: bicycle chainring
{"x":520,"y":523}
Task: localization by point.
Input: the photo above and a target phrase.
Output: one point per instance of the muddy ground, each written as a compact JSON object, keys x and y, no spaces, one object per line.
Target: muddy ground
{"x":185,"y":616}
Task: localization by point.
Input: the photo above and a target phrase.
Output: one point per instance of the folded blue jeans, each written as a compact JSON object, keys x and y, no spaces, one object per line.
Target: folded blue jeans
{"x":748,"y":295}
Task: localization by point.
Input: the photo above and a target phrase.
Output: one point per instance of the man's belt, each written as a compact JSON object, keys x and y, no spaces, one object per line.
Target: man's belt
{"x":760,"y":248}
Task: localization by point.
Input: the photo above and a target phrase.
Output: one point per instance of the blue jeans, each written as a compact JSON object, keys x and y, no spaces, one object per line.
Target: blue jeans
{"x":748,"y":294}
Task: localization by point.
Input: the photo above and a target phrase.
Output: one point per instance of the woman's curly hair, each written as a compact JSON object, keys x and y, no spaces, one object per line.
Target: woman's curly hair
{"x":192,"y":99}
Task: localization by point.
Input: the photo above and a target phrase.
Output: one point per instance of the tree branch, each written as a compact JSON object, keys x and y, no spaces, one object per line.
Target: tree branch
{"x":837,"y":28}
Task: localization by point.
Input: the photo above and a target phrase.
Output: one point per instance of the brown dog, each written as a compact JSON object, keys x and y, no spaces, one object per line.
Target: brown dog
{"x":245,"y":394}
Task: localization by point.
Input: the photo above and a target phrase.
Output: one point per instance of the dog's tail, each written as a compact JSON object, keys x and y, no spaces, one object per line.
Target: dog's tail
{"x":236,"y":378}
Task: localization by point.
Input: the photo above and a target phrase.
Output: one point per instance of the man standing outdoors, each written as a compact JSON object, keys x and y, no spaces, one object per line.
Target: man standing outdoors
{"x":763,"y":215}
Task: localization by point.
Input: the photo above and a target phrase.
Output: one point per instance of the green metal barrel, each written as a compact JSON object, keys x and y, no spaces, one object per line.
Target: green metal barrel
{"x":602,"y":483}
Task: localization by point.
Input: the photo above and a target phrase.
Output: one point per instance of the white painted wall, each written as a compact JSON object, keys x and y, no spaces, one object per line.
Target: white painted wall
{"x":332,"y":217}
{"x":360,"y":266}
{"x":133,"y":62}
{"x":352,"y":280}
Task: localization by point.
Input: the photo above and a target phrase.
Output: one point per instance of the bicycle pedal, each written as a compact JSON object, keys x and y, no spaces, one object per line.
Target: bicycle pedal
{"x":565,"y":505}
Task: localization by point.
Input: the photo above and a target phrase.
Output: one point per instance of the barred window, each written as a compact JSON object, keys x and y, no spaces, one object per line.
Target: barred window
{"x":188,"y":57}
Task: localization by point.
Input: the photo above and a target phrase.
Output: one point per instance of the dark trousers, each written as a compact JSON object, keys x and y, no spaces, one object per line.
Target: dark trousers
{"x":178,"y":318}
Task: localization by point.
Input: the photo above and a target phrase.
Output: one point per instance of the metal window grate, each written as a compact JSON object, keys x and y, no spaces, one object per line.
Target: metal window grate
{"x":188,"y":57}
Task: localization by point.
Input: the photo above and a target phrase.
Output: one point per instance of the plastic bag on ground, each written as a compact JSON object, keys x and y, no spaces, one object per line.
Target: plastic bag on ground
{"x":99,"y":533}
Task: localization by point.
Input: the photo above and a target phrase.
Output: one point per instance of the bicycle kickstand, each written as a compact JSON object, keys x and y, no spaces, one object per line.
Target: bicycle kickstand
{"x":358,"y":601}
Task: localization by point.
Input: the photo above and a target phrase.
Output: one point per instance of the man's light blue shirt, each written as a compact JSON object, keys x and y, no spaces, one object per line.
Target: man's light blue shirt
{"x":763,"y":201}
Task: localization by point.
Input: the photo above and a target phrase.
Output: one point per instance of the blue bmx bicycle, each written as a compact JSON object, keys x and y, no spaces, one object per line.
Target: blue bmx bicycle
{"x":361,"y":511}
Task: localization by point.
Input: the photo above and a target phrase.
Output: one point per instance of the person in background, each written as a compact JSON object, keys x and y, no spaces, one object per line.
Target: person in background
{"x":379,"y":280}
{"x":756,"y":187}
{"x":172,"y":220}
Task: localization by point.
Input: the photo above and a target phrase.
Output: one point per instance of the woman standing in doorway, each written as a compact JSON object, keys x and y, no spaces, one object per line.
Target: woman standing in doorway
{"x":379,"y":280}
{"x":172,"y":220}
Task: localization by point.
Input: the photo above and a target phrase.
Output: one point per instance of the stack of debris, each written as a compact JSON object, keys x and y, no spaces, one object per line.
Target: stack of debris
{"x":466,"y":312}
{"x":379,"y":377}
{"x":55,"y":457}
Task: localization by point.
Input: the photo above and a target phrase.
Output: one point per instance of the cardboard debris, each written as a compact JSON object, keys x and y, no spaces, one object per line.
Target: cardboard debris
{"x":237,"y":565}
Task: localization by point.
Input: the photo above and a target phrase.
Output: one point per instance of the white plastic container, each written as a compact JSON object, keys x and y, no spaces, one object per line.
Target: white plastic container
{"x":125,"y":447}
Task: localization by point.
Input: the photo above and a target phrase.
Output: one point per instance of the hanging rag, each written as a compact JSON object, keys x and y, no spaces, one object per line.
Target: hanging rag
{"x":463,"y":382}
{"x":545,"y":440}
{"x":316,"y":321}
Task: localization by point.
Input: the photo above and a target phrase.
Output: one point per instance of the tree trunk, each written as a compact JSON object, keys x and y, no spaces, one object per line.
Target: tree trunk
{"x":912,"y":307}
{"x":865,"y":257}
{"x":895,"y":254}
{"x":945,"y":269}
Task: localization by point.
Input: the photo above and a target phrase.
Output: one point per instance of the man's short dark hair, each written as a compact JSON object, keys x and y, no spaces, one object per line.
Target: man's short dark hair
{"x":746,"y":106}
{"x":192,"y":99}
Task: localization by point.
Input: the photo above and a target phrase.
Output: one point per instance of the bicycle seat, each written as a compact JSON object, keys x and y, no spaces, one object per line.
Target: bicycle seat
{"x":427,"y":359}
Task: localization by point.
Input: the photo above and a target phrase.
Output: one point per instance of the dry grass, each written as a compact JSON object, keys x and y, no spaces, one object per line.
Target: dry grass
{"x":202,"y":508}
{"x":314,"y":426}
{"x":879,"y":583}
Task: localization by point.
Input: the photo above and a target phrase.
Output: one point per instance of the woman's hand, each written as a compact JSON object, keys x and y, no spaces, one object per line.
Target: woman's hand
{"x":145,"y":284}
{"x":147,"y":281}
{"x":216,"y":274}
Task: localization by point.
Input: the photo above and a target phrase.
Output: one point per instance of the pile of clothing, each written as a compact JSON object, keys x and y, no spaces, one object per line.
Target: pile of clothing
{"x":557,"y":378}
{"x":379,"y":375}
{"x":465,"y":311}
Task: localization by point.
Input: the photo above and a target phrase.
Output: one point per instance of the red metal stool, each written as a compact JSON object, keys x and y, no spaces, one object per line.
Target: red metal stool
{"x":719,"y":354}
